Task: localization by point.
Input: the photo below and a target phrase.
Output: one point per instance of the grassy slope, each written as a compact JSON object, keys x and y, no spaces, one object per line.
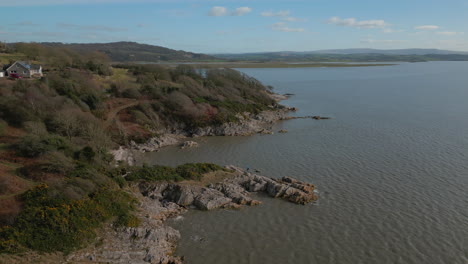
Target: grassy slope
{"x":58,"y":183}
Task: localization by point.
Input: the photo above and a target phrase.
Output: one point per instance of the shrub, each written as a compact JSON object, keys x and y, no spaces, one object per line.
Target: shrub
{"x":14,"y":111}
{"x":57,"y":162}
{"x":154,"y":173}
{"x":51,"y":224}
{"x":189,"y":171}
{"x":3,"y":126}
{"x":195,"y":171}
{"x":131,"y":93}
{"x":85,"y":154}
{"x":34,"y":146}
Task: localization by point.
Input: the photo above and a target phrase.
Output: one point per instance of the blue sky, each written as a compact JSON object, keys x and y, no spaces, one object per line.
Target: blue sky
{"x":212,"y":26}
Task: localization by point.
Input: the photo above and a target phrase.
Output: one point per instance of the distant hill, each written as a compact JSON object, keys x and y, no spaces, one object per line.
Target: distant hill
{"x":387,"y":52}
{"x":133,"y":52}
{"x":352,"y":55}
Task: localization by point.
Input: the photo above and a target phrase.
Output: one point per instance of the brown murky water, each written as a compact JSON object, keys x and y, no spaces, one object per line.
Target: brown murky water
{"x":391,"y":168}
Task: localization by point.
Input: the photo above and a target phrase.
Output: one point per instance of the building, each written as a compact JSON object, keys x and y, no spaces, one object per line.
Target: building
{"x":25,"y":70}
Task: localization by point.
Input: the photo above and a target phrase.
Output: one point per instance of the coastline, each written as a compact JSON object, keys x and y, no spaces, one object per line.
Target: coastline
{"x":153,"y":241}
{"x":247,"y":125}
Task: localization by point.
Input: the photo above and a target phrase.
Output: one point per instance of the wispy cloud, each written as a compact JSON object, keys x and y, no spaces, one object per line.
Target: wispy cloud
{"x":282,"y":13}
{"x":91,"y":27}
{"x":25,"y":24}
{"x":281,"y":26}
{"x":218,"y":11}
{"x":240,"y":11}
{"x":449,"y":33}
{"x":427,"y":27}
{"x":352,"y":22}
{"x":293,"y":19}
{"x":223,"y":11}
{"x":389,"y":30}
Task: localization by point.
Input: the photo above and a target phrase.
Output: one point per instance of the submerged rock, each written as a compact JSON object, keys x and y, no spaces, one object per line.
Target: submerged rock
{"x":320,"y":117}
{"x":188,"y":144}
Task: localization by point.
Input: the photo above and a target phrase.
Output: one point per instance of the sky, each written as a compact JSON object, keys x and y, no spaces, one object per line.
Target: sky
{"x":239,"y":26}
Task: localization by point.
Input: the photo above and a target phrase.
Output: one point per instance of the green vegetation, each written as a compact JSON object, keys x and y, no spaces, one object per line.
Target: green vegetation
{"x":49,"y":223}
{"x":135,"y":52}
{"x":56,"y":133}
{"x":3,"y":126}
{"x":189,"y":171}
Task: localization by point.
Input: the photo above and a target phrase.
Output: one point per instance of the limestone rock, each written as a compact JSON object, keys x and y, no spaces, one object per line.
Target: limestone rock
{"x":188,"y":144}
{"x":210,"y":199}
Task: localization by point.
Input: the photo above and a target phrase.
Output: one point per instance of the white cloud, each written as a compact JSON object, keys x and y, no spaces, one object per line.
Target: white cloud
{"x":449,"y":33}
{"x":352,"y":22}
{"x":242,"y":11}
{"x":427,"y":27}
{"x":218,"y":11}
{"x":282,"y":13}
{"x":390,"y":30}
{"x":223,"y":11}
{"x":281,"y":26}
{"x":293,"y":19}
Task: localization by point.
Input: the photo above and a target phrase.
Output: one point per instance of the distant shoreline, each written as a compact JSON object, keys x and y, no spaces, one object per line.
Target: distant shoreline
{"x":241,"y":65}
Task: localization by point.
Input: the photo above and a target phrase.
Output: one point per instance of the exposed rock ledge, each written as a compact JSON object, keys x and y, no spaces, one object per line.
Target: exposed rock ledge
{"x":154,"y":242}
{"x":248,"y":124}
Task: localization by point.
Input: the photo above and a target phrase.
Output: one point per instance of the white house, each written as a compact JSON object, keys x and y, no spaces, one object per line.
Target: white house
{"x":25,"y":69}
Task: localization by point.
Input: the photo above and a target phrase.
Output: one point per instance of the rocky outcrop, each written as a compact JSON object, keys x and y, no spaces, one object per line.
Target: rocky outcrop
{"x":156,"y":143}
{"x":231,"y":191}
{"x":188,"y":144}
{"x":248,"y":124}
{"x":154,"y":242}
{"x":151,"y":242}
{"x":125,"y":155}
{"x":320,"y":117}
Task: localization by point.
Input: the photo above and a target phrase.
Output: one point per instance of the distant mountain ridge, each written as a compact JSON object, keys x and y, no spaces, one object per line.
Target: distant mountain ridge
{"x":352,"y":55}
{"x":125,"y":51}
{"x":387,"y":51}
{"x":414,"y":51}
{"x":135,"y":52}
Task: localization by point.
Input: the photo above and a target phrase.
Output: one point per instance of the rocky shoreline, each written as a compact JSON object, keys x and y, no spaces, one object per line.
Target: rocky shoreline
{"x":248,"y":124}
{"x":154,"y":241}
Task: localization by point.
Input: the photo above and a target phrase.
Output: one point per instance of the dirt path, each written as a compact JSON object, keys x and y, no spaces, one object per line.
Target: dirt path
{"x":113,"y":113}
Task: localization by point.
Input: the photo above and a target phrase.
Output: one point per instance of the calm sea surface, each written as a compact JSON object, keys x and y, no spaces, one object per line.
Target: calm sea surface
{"x":391,"y":168}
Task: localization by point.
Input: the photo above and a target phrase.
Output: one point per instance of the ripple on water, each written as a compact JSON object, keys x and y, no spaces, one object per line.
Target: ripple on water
{"x":390,"y":168}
